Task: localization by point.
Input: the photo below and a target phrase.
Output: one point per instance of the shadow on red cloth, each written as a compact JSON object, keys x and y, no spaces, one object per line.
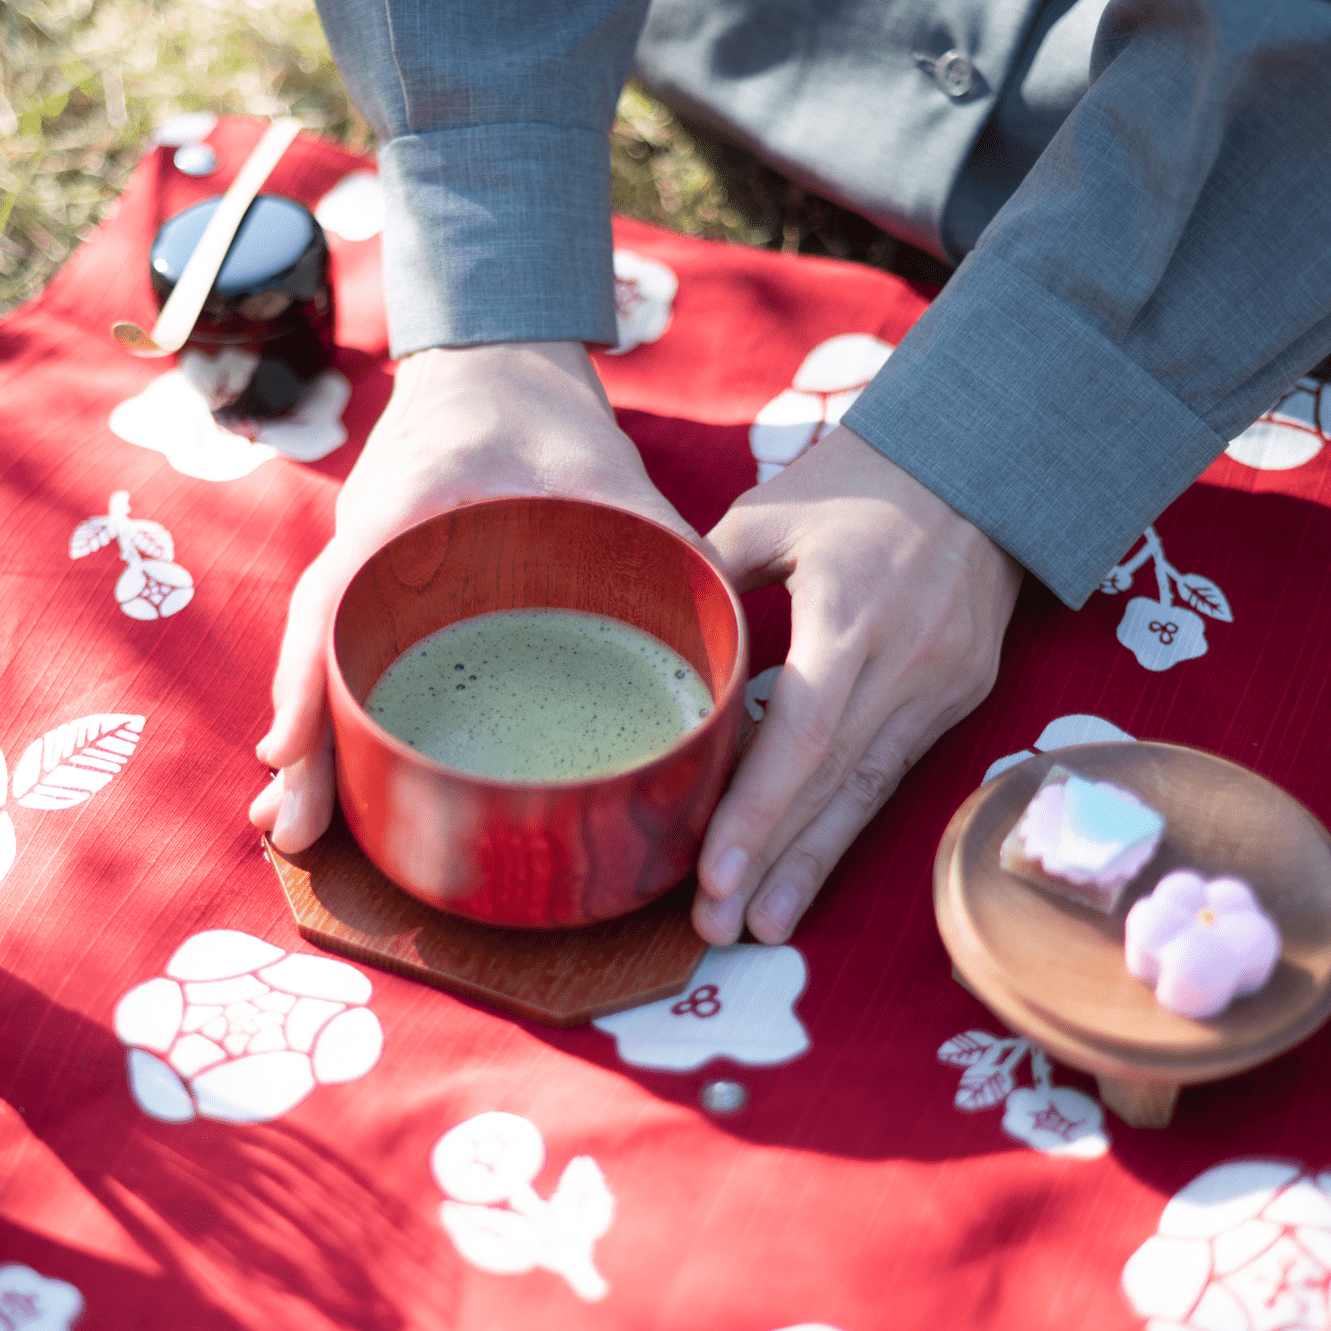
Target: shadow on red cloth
{"x":195,"y":1224}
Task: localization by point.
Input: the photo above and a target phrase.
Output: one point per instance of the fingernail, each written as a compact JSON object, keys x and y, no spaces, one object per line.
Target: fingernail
{"x":779,"y":906}
{"x":287,"y":814}
{"x":726,"y":916}
{"x":728,"y":871}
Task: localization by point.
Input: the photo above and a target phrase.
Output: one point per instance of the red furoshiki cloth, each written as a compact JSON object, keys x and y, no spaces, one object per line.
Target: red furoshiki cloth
{"x":209,"y":1124}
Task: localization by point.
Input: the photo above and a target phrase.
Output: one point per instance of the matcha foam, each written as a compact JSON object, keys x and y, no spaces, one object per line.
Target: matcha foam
{"x":540,"y":695}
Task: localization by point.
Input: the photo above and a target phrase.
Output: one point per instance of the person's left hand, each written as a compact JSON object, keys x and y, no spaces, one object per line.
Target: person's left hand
{"x":898,"y":608}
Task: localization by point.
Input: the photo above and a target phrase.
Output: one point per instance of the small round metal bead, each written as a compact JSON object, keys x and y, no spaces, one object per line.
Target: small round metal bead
{"x":723,"y":1097}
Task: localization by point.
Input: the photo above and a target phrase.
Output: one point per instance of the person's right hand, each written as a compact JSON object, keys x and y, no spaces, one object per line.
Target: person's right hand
{"x":464,"y":423}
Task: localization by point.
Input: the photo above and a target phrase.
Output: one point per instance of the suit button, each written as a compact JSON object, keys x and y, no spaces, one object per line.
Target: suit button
{"x":954,"y":74}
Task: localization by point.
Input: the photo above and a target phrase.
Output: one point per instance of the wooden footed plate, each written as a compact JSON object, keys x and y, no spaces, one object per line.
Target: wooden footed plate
{"x":1053,"y":969}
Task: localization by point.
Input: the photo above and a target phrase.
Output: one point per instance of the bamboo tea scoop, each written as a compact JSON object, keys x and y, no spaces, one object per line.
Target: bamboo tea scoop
{"x":176,"y":321}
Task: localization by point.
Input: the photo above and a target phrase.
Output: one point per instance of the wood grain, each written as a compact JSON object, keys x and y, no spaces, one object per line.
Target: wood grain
{"x":1053,"y":969}
{"x":558,"y":977}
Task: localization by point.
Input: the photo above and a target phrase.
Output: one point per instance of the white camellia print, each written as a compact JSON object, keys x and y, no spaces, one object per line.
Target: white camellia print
{"x":64,"y":767}
{"x":1293,"y":432}
{"x":239,"y":1030}
{"x":172,"y":417}
{"x":1246,"y":1244}
{"x":152,"y":586}
{"x":32,"y":1302}
{"x":1161,"y":633}
{"x":644,"y":297}
{"x":499,"y":1222}
{"x":740,"y":1004}
{"x":828,"y":381}
{"x":354,"y":207}
{"x":1056,"y":1120}
{"x":1060,"y":733}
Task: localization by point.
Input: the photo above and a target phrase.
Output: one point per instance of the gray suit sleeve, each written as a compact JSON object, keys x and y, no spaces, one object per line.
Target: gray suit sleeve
{"x":1160,"y":276}
{"x":493,"y":119}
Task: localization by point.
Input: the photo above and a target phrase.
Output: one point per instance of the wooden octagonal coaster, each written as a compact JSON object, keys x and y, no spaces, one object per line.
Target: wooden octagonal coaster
{"x":560,"y":977}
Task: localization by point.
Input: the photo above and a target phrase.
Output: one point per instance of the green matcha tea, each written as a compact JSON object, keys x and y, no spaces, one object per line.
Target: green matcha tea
{"x":539,"y":695}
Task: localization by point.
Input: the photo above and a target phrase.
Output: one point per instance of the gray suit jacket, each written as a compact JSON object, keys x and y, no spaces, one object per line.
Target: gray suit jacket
{"x":1141,"y":191}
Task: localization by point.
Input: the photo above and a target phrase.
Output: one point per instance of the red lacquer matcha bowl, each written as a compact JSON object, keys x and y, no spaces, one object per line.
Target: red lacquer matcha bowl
{"x":512,"y":853}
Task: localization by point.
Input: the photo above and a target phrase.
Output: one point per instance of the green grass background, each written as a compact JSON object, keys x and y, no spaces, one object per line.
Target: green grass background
{"x":83,"y":83}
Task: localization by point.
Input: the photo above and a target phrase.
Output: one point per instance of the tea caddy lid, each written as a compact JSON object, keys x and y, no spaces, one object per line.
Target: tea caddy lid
{"x":279,"y":251}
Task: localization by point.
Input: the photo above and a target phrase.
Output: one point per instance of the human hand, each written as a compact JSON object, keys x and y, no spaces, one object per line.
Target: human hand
{"x":898,"y":608}
{"x":463,"y":423}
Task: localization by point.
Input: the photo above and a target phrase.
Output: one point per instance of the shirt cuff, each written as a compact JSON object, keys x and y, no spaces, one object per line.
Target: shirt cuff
{"x":499,"y":233}
{"x":1031,"y":423}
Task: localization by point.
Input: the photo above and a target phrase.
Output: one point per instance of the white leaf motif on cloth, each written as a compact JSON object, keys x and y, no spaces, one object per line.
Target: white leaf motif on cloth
{"x":74,"y":761}
{"x":740,"y":1004}
{"x":1055,"y":1120}
{"x":354,"y":207}
{"x":1292,"y":433}
{"x":825,"y":386}
{"x":213,"y":1038}
{"x":644,"y":296}
{"x":1060,"y":733}
{"x":151,"y":587}
{"x":967,"y":1048}
{"x":32,"y":1302}
{"x":499,"y":1223}
{"x":172,"y":417}
{"x":1158,"y":632}
{"x":1247,"y":1244}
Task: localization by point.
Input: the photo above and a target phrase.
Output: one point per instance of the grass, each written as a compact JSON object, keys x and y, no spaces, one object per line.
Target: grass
{"x":83,"y":83}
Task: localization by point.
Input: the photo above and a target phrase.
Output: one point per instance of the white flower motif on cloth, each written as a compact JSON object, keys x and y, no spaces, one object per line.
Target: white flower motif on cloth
{"x":65,"y":767}
{"x":828,"y":381}
{"x":1293,"y":432}
{"x":1056,"y":1120}
{"x":221,"y":378}
{"x":1159,"y":633}
{"x":187,"y":127}
{"x":1246,"y":1244}
{"x":151,"y":587}
{"x":740,"y":1005}
{"x":31,"y":1302}
{"x":759,"y":689}
{"x":644,"y":296}
{"x":498,"y":1222}
{"x":172,"y":417}
{"x":1061,"y":733}
{"x":239,"y":1030}
{"x":354,"y":207}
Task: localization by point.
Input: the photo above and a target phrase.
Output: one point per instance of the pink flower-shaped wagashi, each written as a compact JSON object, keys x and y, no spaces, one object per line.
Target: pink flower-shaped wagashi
{"x":1201,"y":944}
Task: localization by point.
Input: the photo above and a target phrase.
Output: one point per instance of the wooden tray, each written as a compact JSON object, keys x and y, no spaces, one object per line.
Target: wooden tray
{"x":560,"y":977}
{"x":1053,"y":969}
